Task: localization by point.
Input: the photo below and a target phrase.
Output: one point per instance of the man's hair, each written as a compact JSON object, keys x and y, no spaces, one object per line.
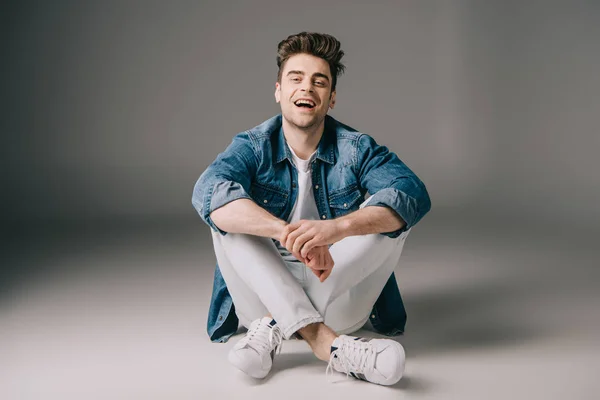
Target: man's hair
{"x":317,"y":44}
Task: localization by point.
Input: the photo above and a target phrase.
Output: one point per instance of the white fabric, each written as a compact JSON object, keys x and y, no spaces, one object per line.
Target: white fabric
{"x":261,"y":282}
{"x":305,"y":206}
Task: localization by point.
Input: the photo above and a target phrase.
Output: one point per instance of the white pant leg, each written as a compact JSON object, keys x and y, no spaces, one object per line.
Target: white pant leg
{"x":259,"y":281}
{"x":356,"y":259}
{"x":362,"y":267}
{"x":351,"y":310}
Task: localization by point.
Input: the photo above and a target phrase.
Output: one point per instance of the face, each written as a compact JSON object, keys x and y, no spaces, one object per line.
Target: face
{"x":305,"y":91}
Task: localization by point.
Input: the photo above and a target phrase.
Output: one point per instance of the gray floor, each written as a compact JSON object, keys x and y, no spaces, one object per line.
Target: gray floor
{"x":120,"y":313}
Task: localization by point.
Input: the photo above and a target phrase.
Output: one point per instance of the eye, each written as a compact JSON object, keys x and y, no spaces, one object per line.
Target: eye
{"x":296,"y":79}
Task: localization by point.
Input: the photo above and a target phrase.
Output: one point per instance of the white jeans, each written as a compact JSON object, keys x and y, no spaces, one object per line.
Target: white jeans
{"x":261,"y":282}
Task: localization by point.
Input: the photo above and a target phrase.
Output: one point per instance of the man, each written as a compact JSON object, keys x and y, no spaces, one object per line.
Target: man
{"x":299,"y":253}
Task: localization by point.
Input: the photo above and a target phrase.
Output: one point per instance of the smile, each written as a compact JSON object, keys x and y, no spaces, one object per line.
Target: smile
{"x":305,"y":103}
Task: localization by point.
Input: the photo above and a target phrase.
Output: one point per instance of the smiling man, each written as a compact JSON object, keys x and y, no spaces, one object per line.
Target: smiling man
{"x":300,"y":252}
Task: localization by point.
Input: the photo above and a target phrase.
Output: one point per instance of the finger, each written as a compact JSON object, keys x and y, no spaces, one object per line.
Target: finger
{"x":308,"y":246}
{"x":314,"y":260}
{"x":300,"y":240}
{"x":310,"y":260}
{"x":317,"y":273}
{"x":295,"y":225}
{"x":288,"y":240}
{"x":325,"y":275}
{"x":291,"y":239}
{"x":303,"y":260}
{"x":284,"y":234}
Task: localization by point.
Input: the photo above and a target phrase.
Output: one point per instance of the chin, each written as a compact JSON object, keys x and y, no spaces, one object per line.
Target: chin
{"x":304,"y":122}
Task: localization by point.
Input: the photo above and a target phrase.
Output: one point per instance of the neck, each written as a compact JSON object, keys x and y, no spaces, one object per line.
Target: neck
{"x":303,"y":141}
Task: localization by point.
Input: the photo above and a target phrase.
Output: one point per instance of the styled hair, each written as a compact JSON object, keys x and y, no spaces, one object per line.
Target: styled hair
{"x":317,"y":44}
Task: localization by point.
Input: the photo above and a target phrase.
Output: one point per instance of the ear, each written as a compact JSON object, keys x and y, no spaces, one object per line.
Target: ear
{"x":332,"y":100}
{"x":277,"y":92}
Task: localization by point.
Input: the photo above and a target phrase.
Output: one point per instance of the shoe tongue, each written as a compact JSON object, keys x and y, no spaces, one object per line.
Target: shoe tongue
{"x":254,"y":324}
{"x":338,"y":341}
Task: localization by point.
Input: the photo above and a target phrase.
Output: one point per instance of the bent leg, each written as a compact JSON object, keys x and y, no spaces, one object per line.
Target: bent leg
{"x":248,"y":306}
{"x":259,"y":282}
{"x":351,"y":310}
{"x":363,"y":264}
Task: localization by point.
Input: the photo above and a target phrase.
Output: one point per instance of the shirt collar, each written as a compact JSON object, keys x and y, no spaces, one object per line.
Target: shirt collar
{"x":325,"y":148}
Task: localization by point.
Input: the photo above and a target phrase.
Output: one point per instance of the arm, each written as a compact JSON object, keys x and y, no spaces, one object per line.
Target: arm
{"x":391,"y":183}
{"x":399,"y":200}
{"x":302,"y":236}
{"x":245,"y":216}
{"x":227,"y":179}
{"x":221,"y":198}
{"x":369,"y":220}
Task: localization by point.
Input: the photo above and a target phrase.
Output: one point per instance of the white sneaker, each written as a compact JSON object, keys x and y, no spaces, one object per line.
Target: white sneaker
{"x":254,"y":353}
{"x":378,"y":361}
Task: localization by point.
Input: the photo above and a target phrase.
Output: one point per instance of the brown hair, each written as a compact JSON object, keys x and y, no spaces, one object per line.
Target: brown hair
{"x":317,"y":44}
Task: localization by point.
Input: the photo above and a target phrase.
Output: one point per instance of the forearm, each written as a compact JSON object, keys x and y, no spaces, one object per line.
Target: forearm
{"x":370,"y":219}
{"x":245,"y":216}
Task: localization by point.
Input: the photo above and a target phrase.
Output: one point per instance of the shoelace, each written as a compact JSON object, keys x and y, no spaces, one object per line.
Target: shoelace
{"x":262,"y":340}
{"x":275,"y":335}
{"x":352,"y":356}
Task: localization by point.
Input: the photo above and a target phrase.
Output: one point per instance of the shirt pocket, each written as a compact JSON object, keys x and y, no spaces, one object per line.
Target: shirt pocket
{"x":271,"y":199}
{"x":344,"y":201}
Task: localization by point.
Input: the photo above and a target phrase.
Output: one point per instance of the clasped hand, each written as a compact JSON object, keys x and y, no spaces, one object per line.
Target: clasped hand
{"x":308,"y":241}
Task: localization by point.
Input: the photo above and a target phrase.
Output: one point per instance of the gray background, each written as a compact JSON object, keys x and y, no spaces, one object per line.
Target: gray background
{"x":111,"y":110}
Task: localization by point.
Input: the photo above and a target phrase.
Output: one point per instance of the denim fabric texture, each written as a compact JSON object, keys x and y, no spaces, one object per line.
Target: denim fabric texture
{"x":349,"y":166}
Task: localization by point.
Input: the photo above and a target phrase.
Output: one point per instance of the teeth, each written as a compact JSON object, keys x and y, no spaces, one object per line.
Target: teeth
{"x":307,"y":102}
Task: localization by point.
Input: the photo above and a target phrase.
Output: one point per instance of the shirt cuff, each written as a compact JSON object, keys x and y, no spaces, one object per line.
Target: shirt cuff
{"x":406,"y":207}
{"x":217,"y":196}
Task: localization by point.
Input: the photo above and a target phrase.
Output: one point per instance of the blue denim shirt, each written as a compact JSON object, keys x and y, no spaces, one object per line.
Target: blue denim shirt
{"x":349,"y":165}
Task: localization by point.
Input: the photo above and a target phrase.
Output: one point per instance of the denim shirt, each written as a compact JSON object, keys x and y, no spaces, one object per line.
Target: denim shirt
{"x":348,"y":166}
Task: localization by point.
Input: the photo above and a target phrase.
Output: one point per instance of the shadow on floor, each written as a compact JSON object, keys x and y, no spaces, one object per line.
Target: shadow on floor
{"x":474,"y":317}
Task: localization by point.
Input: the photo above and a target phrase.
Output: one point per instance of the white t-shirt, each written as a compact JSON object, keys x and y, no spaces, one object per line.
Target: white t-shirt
{"x":305,"y":206}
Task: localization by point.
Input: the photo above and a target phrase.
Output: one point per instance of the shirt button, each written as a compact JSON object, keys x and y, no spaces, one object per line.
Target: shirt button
{"x":294,"y":184}
{"x":220,"y":318}
{"x":324,"y":216}
{"x":345,"y":205}
{"x":372,"y":316}
{"x":265,"y":201}
{"x":316,"y":186}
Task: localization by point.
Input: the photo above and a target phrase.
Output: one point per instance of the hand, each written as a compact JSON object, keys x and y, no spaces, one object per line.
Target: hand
{"x":301,"y":236}
{"x":320,"y":262}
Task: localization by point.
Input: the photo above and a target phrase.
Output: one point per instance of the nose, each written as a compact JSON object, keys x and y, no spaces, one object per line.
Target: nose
{"x":307,"y":87}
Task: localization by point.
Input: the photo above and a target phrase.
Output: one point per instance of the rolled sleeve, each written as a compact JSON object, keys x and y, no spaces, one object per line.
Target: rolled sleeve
{"x":391,"y":183}
{"x":225,"y":180}
{"x":405,"y":206}
{"x":221,"y":194}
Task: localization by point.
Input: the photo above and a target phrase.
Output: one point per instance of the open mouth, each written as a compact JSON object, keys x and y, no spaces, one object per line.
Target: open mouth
{"x":305,"y":103}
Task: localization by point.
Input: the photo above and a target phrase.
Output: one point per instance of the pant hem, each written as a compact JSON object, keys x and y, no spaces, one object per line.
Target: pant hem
{"x":287,"y":333}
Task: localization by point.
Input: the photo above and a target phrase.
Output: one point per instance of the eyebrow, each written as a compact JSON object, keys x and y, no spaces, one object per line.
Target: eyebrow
{"x":316,"y":74}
